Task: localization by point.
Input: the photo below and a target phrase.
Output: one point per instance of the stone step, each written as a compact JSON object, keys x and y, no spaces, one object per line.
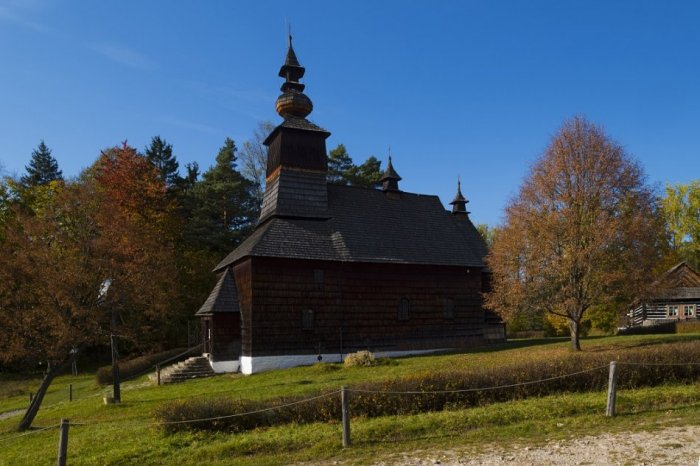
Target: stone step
{"x":192,"y":368}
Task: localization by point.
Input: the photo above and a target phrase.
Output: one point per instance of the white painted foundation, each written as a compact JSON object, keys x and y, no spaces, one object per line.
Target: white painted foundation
{"x":225,"y":366}
{"x":255,"y":364}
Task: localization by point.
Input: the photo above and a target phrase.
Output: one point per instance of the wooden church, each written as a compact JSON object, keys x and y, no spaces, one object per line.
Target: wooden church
{"x":331,"y":270}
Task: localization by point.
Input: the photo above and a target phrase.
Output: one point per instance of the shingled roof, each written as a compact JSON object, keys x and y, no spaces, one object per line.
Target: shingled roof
{"x":680,"y":294}
{"x":366,"y":225}
{"x":223,"y":298}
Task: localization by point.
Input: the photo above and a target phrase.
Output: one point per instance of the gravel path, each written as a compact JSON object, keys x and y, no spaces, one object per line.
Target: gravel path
{"x":670,"y":446}
{"x":9,"y":414}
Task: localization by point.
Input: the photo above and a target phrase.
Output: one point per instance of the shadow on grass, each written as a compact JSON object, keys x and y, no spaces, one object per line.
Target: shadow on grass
{"x":508,"y":345}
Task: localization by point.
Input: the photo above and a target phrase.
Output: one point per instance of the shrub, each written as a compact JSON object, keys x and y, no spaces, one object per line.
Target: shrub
{"x":133,"y":367}
{"x":529,"y":334}
{"x":360,"y":358}
{"x":638,"y":367}
{"x":689,"y":326}
{"x":223,"y":414}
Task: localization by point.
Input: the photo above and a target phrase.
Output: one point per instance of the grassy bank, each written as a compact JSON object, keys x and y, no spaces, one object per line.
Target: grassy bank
{"x":127,"y":433}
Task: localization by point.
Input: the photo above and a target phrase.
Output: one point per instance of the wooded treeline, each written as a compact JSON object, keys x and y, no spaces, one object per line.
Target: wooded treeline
{"x":126,"y":247}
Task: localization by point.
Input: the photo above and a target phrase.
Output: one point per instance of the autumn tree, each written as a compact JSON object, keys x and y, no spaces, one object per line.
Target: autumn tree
{"x":681,"y":210}
{"x":42,"y":168}
{"x":114,"y":223}
{"x":582,"y":232}
{"x":47,"y":294}
{"x":254,"y":159}
{"x":160,"y":154}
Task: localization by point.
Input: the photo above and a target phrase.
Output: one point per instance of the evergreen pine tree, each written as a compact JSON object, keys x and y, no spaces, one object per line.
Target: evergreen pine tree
{"x":342,"y":170}
{"x":225,"y":209}
{"x":368,"y":174}
{"x":160,"y":155}
{"x":42,"y":168}
{"x":192,"y":174}
{"x":339,"y":165}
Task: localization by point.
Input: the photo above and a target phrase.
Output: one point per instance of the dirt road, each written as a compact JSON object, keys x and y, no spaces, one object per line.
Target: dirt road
{"x":669,"y":446}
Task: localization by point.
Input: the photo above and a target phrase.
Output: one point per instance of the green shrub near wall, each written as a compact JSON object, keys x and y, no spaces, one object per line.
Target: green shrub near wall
{"x":639,"y":368}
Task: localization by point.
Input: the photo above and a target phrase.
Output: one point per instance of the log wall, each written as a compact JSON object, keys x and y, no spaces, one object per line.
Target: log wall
{"x":355,"y":306}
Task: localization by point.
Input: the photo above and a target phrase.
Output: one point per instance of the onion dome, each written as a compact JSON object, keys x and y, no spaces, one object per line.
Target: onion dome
{"x":459,"y":203}
{"x":390,"y":179}
{"x":293,"y":101}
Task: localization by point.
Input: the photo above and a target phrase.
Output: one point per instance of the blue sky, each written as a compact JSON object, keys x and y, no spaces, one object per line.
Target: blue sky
{"x":474,"y":89}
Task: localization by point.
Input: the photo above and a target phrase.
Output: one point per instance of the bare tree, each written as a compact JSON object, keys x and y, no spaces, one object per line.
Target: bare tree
{"x":582,"y":232}
{"x":253,"y":157}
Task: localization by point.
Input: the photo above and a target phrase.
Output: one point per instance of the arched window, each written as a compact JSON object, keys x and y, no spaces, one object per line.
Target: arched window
{"x":404,"y":307}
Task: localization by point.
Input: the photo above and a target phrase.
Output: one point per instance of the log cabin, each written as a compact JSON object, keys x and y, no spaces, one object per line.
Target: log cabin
{"x":676,"y":297}
{"x":333,"y":269}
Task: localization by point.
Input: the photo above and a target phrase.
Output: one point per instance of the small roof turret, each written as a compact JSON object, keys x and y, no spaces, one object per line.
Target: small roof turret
{"x":390,"y":179}
{"x":459,"y":203}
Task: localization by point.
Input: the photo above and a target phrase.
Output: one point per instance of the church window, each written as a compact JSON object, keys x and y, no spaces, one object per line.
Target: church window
{"x":448,"y":310}
{"x":307,"y":319}
{"x":404,"y":306}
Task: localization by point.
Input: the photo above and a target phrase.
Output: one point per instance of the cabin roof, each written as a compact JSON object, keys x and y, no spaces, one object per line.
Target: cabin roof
{"x":366,"y":225}
{"x":679,"y":294}
{"x":680,"y":275}
{"x":223,"y":298}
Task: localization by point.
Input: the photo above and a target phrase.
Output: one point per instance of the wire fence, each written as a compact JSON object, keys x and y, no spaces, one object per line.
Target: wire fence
{"x":345,"y":401}
{"x":480,"y":389}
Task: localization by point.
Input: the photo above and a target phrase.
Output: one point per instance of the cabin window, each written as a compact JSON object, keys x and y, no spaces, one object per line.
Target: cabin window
{"x":672,"y":311}
{"x":307,"y":319}
{"x":448,"y":308}
{"x":404,"y":306}
{"x":688,"y":310}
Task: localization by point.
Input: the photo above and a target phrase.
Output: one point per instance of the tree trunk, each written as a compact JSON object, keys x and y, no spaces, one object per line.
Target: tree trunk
{"x":34,"y":406}
{"x":575,"y":327}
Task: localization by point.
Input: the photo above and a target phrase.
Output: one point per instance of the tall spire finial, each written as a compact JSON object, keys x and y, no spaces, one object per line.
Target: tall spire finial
{"x":459,"y":203}
{"x":293,"y":101}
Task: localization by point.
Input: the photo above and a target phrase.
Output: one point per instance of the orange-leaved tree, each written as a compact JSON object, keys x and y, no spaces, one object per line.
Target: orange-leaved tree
{"x":582,"y":232}
{"x":114,"y":224}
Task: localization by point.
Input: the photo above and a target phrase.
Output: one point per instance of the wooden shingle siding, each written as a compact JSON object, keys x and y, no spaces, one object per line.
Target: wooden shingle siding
{"x":358,"y":304}
{"x":243,"y":274}
{"x":226,"y":340}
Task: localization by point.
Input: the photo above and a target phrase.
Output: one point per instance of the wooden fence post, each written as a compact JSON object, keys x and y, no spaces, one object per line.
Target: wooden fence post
{"x":346,"y":415}
{"x":70,"y":392}
{"x":158,"y":373}
{"x":612,"y":389}
{"x":63,"y":443}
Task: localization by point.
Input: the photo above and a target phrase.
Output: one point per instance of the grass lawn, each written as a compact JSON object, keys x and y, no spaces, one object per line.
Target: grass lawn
{"x":127,"y":433}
